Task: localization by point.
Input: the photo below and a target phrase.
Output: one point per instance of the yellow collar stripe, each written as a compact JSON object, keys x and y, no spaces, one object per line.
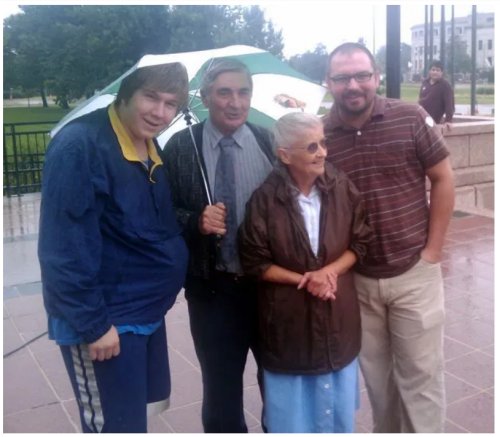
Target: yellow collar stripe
{"x":126,"y":144}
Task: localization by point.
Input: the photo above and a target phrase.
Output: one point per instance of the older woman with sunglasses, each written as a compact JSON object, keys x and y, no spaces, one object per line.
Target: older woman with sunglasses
{"x":305,"y":227}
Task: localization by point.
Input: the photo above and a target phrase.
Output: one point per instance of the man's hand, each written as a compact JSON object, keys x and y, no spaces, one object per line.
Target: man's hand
{"x":106,"y":347}
{"x":213,"y":220}
{"x":430,"y":256}
{"x":446,"y":127}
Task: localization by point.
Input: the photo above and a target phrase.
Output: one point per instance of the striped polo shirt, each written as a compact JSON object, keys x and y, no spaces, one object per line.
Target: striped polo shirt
{"x":387,"y":160}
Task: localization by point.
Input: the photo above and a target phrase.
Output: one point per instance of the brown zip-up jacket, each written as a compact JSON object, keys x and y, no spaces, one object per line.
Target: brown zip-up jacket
{"x":299,"y":333}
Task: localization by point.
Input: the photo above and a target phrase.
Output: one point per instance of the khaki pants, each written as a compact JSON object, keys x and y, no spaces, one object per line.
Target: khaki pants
{"x":402,"y":349}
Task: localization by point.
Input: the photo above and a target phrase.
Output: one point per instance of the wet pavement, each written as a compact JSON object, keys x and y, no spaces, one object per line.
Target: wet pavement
{"x":38,"y":397}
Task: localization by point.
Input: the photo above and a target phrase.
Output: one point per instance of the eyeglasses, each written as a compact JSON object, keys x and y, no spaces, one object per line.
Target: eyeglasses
{"x":313,"y":147}
{"x":345,"y":79}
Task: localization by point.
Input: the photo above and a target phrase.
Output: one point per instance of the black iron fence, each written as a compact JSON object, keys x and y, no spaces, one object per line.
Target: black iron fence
{"x":24,"y":146}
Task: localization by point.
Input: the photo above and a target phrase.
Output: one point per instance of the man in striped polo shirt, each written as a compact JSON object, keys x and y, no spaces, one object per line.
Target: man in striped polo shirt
{"x":388,"y":148}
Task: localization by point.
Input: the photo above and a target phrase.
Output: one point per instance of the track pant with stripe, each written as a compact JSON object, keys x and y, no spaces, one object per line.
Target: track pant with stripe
{"x":118,"y":394}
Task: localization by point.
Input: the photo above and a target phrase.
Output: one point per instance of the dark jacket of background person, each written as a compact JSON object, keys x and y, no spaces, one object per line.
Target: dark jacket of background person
{"x":300,"y":333}
{"x":437,"y":99}
{"x":189,"y":198}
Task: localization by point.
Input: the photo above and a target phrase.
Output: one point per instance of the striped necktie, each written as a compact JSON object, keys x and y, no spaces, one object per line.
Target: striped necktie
{"x":225,"y":192}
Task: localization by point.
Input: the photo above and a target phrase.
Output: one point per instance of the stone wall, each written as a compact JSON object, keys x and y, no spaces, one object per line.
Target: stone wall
{"x":471,"y":144}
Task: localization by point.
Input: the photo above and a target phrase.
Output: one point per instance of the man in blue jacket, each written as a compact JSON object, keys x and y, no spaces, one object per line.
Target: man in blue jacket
{"x":111,"y":254}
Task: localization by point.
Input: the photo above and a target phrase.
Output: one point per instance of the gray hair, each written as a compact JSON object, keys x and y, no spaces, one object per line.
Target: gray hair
{"x":219,"y":66}
{"x":292,"y":125}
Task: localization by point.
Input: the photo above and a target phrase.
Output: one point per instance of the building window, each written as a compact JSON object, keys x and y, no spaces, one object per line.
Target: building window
{"x":490,"y":61}
{"x":480,"y":45}
{"x":421,"y":33}
{"x":435,"y":49}
{"x":490,"y":44}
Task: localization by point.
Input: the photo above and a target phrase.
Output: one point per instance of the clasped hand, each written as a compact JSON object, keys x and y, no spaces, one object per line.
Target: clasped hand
{"x":320,"y":283}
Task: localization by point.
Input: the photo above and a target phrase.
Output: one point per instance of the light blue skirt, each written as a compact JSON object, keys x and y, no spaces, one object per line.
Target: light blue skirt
{"x":311,"y":403}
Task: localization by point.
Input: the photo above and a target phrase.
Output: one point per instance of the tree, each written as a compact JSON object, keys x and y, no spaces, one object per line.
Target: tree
{"x":103,"y":42}
{"x":207,"y":27}
{"x":405,"y":58}
{"x":25,"y":59}
{"x":256,"y":31}
{"x":462,"y":62}
{"x":196,"y":27}
{"x":380,"y":58}
{"x":78,"y":49}
{"x":312,"y":64}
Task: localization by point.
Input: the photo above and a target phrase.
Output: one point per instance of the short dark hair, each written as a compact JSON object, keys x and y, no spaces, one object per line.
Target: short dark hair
{"x":350,"y":47}
{"x":437,"y":64}
{"x":167,"y":78}
{"x":219,"y":66}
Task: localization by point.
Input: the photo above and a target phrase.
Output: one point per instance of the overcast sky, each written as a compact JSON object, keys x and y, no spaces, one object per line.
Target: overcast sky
{"x":307,"y":23}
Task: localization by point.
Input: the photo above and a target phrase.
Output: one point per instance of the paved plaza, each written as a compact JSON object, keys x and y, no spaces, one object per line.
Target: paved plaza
{"x":38,"y":397}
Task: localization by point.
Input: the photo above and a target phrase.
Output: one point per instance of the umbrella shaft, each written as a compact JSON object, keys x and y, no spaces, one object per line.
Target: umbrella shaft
{"x":200,"y":167}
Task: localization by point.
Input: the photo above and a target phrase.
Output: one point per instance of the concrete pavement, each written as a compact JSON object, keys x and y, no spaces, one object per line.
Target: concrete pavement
{"x":38,"y":397}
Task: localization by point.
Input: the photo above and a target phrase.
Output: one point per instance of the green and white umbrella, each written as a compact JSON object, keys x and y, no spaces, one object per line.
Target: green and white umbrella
{"x":278,"y":88}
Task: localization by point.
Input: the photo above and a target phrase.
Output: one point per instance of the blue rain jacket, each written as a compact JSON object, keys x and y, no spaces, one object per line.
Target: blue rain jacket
{"x":110,"y":248}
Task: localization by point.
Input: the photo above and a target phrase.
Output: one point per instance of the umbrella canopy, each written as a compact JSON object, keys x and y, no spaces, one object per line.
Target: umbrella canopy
{"x":277,"y":88}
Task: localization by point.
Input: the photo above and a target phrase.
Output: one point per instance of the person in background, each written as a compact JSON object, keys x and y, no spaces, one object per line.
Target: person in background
{"x":304,"y":229}
{"x":111,"y":253}
{"x":389,"y":148}
{"x":436,"y":96}
{"x":222,"y":301}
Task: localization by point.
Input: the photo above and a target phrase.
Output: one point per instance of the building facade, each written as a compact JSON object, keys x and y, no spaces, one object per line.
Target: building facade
{"x":485,"y":49}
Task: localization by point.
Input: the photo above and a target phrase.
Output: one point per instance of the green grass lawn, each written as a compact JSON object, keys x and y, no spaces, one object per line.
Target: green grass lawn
{"x":29,"y":142}
{"x":34,"y":114}
{"x":409,"y":93}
